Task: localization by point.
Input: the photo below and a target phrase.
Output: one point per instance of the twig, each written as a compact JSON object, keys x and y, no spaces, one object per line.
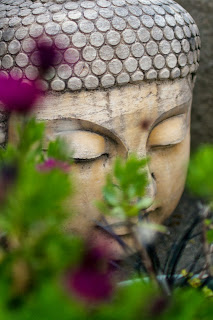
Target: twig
{"x":206,"y":246}
{"x":147,"y":262}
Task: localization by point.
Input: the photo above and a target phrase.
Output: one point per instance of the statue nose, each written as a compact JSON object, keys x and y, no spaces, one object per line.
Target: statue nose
{"x":151,"y":188}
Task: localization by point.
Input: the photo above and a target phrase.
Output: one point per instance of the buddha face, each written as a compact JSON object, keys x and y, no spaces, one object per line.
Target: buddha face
{"x":101,"y":125}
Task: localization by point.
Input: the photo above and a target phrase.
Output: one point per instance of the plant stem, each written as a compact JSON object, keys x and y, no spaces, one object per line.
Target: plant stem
{"x":206,"y":246}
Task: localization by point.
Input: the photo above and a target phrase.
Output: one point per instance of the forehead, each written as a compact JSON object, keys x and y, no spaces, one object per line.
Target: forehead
{"x":119,"y":110}
{"x":103,"y":107}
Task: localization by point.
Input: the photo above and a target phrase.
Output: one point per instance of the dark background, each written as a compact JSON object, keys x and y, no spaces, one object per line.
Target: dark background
{"x":201,"y":132}
{"x":202,"y":112}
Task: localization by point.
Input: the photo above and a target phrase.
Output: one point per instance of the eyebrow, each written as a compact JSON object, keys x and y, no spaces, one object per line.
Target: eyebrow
{"x":182,"y":109}
{"x":85,"y":125}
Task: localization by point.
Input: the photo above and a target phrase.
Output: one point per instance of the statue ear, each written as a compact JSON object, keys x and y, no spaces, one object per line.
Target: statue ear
{"x":194,"y":77}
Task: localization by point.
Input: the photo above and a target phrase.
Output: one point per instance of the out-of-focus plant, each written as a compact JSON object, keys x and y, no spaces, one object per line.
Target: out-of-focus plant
{"x":200,"y":182}
{"x":200,"y":174}
{"x":125,"y":198}
{"x":47,"y":273}
{"x":18,"y":94}
{"x":124,"y":191}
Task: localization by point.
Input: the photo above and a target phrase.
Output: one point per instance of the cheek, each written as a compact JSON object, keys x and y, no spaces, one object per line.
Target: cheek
{"x":89,"y":179}
{"x":169,"y":166}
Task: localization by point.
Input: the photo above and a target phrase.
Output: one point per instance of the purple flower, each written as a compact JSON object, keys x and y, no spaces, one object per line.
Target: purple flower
{"x":92,"y":280}
{"x":159,"y":305}
{"x":17,"y":95}
{"x":51,"y":164}
{"x":47,"y":55}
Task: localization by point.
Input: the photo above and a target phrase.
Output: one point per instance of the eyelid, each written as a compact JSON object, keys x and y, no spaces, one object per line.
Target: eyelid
{"x":84,"y":145}
{"x":169,"y":132}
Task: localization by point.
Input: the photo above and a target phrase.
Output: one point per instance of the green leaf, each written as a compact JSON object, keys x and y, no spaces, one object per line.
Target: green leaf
{"x":144,"y":203}
{"x":102,"y":206}
{"x":111,"y":193}
{"x":207,"y":222}
{"x":58,"y":149}
{"x":200,"y":175}
{"x":124,"y":186}
{"x":153,"y":226}
{"x":31,"y":133}
{"x":118,"y":212}
{"x":210,"y":236}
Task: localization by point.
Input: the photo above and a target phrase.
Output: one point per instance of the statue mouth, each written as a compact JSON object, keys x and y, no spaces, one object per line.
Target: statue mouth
{"x":123,"y":228}
{"x":118,"y":235}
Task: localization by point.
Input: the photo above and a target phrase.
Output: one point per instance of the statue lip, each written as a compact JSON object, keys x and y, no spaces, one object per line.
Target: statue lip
{"x":120,"y":244}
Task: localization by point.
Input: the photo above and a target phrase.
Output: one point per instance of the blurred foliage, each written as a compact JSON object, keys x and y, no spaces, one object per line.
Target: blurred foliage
{"x":124,"y":191}
{"x":200,"y":180}
{"x":200,"y":175}
{"x":57,"y":150}
{"x":32,"y":217}
{"x":36,"y":252}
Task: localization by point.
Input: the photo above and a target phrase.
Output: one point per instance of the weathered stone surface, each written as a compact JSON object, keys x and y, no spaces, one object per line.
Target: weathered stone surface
{"x":99,"y":67}
{"x":3,"y":48}
{"x":96,"y":39}
{"x":52,"y":28}
{"x":159,"y":61}
{"x":22,"y":60}
{"x":81,"y":69}
{"x":91,"y":82}
{"x":123,"y":36}
{"x":62,"y":41}
{"x":79,"y":40}
{"x":71,"y":55}
{"x":151,"y":74}
{"x":98,"y":51}
{"x":69,"y":27}
{"x":31,"y":72}
{"x":109,"y":110}
{"x":89,"y":53}
{"x":116,"y":35}
{"x":145,"y":63}
{"x":16,"y":73}
{"x":36,"y":30}
{"x":14,"y":47}
{"x":107,"y":81}
{"x":131,"y":64}
{"x":64,"y":71}
{"x":74,"y":84}
{"x":58,"y":85}
{"x":7,"y":61}
{"x":137,"y":76}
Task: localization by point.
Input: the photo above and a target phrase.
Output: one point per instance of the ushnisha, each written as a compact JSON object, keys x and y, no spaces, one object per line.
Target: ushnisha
{"x":101,"y":43}
{"x":119,"y":63}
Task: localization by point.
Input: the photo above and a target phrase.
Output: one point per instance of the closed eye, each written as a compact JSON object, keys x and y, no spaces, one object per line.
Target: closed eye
{"x":84,"y":145}
{"x":82,"y":161}
{"x":168,"y":132}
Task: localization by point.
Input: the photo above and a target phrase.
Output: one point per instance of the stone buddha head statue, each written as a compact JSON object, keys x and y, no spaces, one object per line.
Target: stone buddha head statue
{"x":122,"y":65}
